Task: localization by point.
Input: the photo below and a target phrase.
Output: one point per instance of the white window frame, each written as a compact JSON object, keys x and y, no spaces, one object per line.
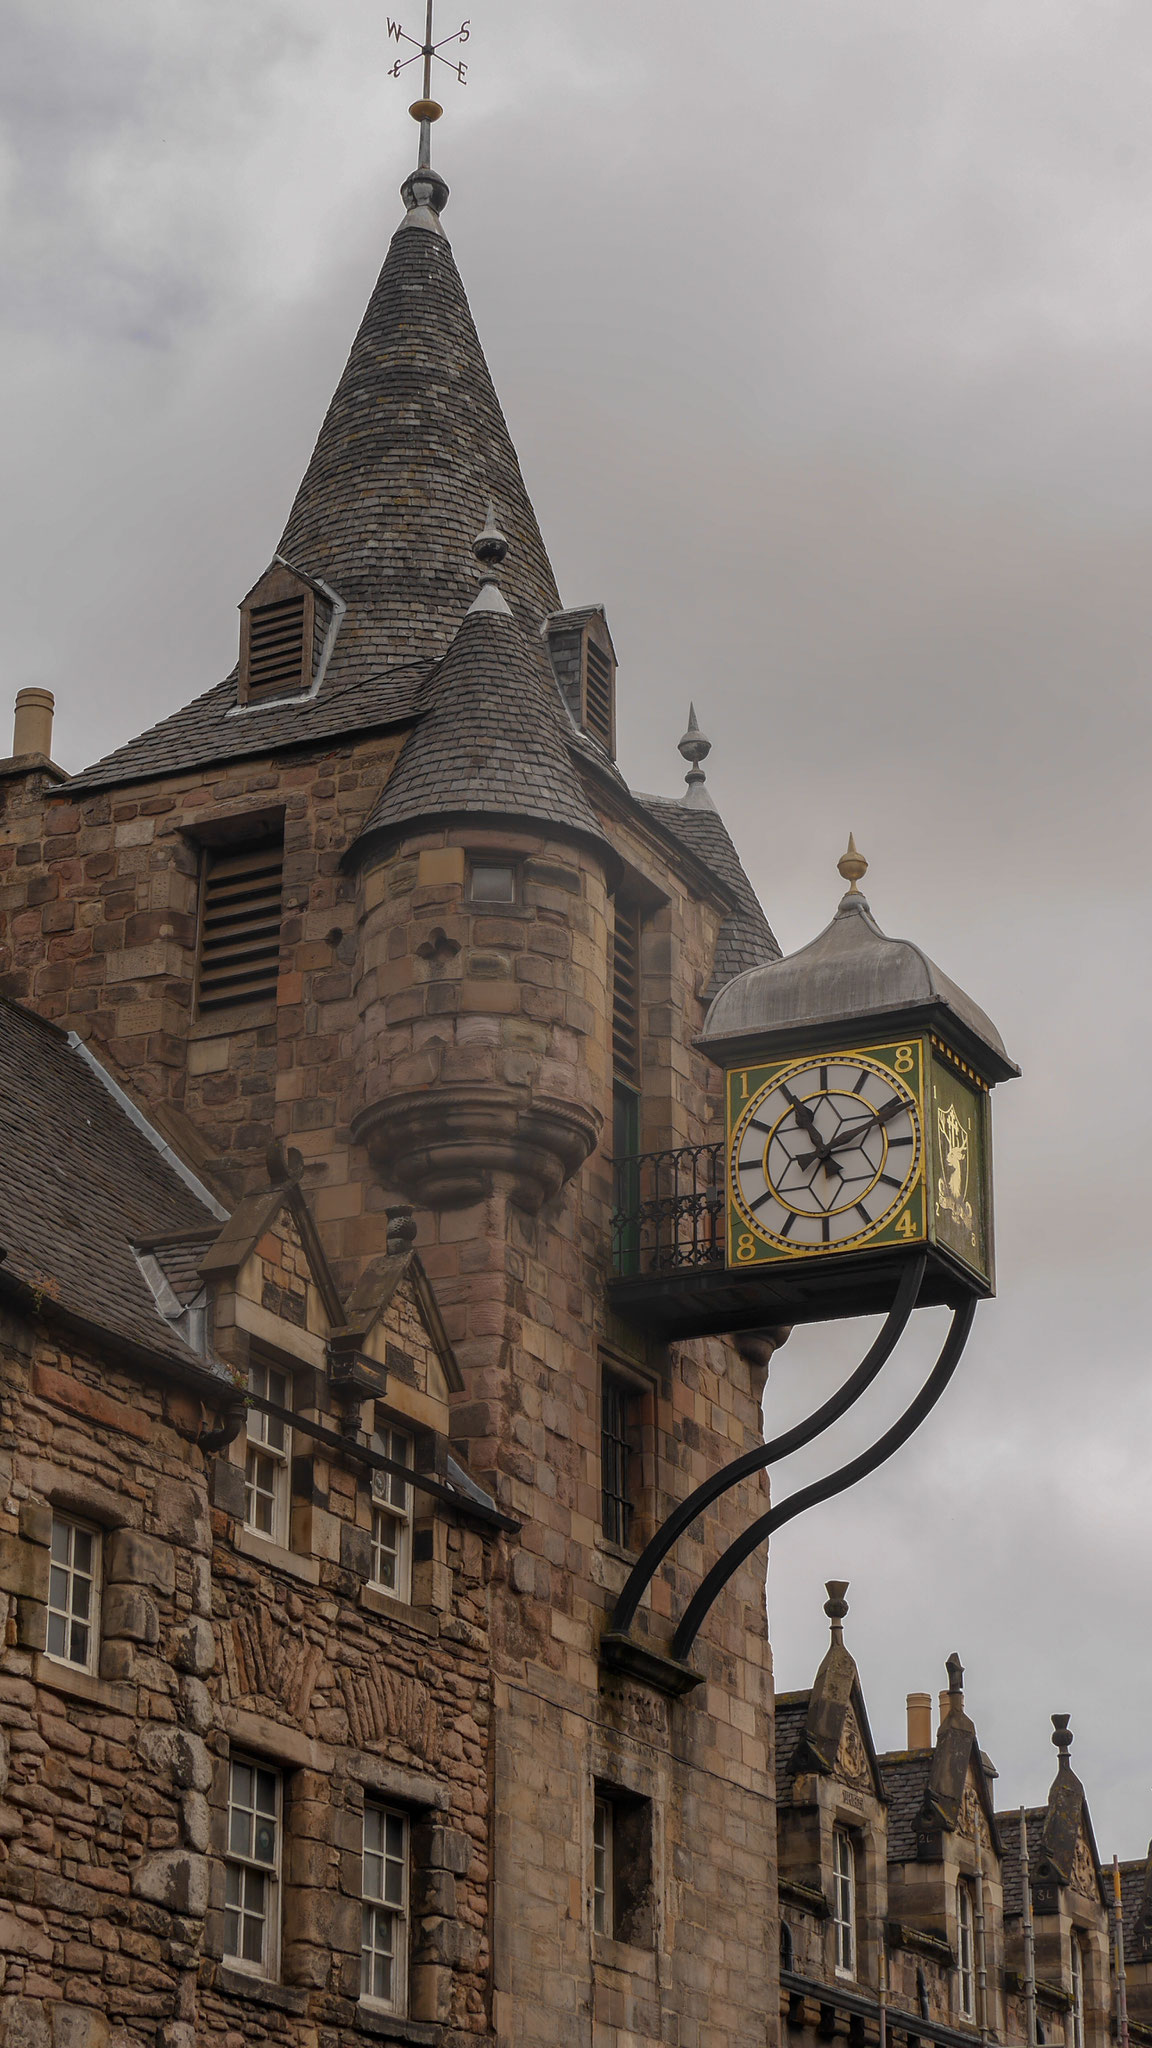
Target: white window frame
{"x":603,"y":1871}
{"x":385,"y":1920}
{"x":73,"y":1592}
{"x":966,"y":1949}
{"x":268,"y":1454}
{"x":252,"y":1879}
{"x":391,"y":1567}
{"x":844,"y":1901}
{"x":1077,"y":2009}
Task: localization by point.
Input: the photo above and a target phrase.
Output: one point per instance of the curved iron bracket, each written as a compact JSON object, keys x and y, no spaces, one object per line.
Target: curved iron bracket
{"x":826,"y":1489}
{"x":794,"y":1439}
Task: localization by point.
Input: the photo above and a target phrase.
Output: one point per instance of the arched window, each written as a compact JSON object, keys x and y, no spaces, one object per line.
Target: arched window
{"x":787,"y":1947}
{"x":844,"y":1901}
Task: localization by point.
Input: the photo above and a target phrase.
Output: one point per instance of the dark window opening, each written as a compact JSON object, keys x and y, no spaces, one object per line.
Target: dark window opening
{"x":278,"y":648}
{"x":787,"y":1947}
{"x":240,"y":924}
{"x":599,"y":675}
{"x":622,"y":1905}
{"x":626,"y":992}
{"x":619,"y":1440}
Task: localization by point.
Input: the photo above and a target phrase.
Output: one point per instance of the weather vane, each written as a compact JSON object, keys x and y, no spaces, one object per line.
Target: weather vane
{"x":426,"y":110}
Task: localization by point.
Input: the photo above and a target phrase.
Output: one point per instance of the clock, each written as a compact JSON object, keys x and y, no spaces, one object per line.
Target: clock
{"x":827,"y":1154}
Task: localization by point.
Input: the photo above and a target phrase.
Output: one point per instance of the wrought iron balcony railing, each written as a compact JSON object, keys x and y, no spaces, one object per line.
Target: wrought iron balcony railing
{"x":669,"y":1211}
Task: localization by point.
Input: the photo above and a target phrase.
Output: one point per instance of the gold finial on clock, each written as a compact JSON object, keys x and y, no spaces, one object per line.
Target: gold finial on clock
{"x":853,"y":866}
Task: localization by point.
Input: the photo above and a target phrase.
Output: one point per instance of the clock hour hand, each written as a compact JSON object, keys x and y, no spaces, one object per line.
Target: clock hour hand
{"x":852,"y":1133}
{"x":807,"y":1122}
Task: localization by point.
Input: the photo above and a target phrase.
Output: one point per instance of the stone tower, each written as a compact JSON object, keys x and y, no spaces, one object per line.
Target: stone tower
{"x":384,"y":896}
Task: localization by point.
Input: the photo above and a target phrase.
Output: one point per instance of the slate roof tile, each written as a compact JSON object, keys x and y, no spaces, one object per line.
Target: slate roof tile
{"x":81,"y":1185}
{"x":746,"y":938}
{"x":905,"y":1774}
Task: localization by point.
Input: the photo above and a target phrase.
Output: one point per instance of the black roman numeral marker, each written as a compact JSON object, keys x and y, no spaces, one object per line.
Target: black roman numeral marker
{"x":824,"y":1079}
{"x":754,"y":1125}
{"x":789,"y":1220}
{"x":890,"y":1182}
{"x":767,"y":1196}
{"x":861,"y":1081}
{"x":862,"y":1211}
{"x":825,"y":1229}
{"x":893,"y":1142}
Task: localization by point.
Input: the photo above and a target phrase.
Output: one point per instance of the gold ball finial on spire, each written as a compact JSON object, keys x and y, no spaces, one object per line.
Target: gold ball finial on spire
{"x":853,"y":866}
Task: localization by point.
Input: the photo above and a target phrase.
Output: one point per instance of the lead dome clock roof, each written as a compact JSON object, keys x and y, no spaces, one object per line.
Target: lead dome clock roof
{"x":852,"y":977}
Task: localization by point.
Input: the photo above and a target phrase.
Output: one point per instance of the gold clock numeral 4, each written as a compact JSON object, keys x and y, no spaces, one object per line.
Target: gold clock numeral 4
{"x":905,"y":1226}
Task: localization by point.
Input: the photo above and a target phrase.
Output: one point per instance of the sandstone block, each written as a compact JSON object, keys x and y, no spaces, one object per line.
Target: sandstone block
{"x":180,"y":1754}
{"x":181,"y":1514}
{"x":174,"y":1879}
{"x":23,"y":1567}
{"x":129,"y":1612}
{"x":134,"y":1559}
{"x":23,"y":2024}
{"x":441,"y":1848}
{"x":194,"y":1647}
{"x":23,"y":1938}
{"x":196,"y":1821}
{"x":78,"y":2026}
{"x":196,"y":1703}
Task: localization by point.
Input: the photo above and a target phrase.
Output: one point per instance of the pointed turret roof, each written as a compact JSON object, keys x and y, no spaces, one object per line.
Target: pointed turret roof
{"x":490,"y":739}
{"x":413,"y":446}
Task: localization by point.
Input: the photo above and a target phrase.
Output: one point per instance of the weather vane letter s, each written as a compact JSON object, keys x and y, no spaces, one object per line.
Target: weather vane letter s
{"x":426,"y":110}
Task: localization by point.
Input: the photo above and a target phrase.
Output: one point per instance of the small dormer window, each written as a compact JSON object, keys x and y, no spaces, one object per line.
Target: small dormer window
{"x":584,"y":664}
{"x":277,"y":637}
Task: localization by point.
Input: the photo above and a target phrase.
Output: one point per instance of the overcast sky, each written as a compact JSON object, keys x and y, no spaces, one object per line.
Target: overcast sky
{"x":824,"y":341}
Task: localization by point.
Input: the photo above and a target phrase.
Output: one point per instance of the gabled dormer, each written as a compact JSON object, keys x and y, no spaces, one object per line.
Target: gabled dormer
{"x":584,"y":664}
{"x":287,"y":622}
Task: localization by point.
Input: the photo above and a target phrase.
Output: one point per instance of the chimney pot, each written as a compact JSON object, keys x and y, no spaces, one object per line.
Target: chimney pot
{"x":32,"y":731}
{"x":919,"y":1720}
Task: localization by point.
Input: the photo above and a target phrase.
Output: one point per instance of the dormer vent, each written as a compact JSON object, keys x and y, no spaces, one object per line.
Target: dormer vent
{"x":584,"y":665}
{"x":277,"y":637}
{"x":276,"y":648}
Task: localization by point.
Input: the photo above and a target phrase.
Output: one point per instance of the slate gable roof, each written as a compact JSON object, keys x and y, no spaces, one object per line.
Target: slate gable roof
{"x":81,"y":1186}
{"x":491,"y":738}
{"x":905,"y":1774}
{"x":791,"y":1715}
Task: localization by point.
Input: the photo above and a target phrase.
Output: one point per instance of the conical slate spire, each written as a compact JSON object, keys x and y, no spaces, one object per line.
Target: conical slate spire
{"x":413,"y":442}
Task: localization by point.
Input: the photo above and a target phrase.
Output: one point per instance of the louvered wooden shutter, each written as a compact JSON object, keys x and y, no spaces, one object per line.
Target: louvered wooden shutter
{"x":598,"y":681}
{"x":240,"y":924}
{"x":626,"y":993}
{"x":276,"y":648}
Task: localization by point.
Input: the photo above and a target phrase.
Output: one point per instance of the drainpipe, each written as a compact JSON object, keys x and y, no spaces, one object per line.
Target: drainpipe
{"x":981,"y":1955}
{"x":1121,"y":1973}
{"x":1029,"y":1933}
{"x":882,"y":1989}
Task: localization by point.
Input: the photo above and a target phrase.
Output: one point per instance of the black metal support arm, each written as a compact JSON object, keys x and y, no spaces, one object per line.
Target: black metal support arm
{"x":826,"y":1489}
{"x":814,"y":1425}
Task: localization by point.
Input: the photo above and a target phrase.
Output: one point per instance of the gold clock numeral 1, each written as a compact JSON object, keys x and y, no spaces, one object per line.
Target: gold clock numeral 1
{"x":905,"y":1226}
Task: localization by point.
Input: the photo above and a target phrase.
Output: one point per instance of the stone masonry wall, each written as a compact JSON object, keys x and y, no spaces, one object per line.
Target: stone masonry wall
{"x":112,"y":1801}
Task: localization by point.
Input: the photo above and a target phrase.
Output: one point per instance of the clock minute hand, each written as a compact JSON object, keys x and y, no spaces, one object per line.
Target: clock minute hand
{"x":851,"y":1133}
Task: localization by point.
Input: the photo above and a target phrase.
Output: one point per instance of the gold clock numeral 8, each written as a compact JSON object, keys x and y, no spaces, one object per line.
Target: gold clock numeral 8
{"x":904,"y":1060}
{"x":745,"y":1246}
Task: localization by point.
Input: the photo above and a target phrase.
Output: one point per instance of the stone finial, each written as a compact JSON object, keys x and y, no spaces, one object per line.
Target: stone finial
{"x":401,"y":1231}
{"x":836,"y":1606}
{"x":695,"y":748}
{"x":1062,"y":1737}
{"x":955,"y":1671}
{"x":490,"y":549}
{"x":283,"y":1163}
{"x":853,"y":866}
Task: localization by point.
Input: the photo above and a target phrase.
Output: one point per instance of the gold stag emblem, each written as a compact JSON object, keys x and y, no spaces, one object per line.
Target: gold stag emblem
{"x":952,"y":1184}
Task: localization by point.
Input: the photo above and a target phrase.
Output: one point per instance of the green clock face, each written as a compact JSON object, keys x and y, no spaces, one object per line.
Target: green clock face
{"x":826,"y":1154}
